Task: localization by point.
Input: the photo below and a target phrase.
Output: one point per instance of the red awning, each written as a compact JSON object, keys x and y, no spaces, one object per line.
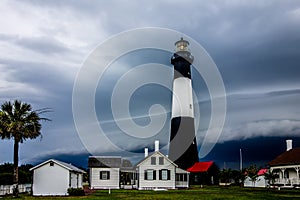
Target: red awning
{"x":200,"y":167}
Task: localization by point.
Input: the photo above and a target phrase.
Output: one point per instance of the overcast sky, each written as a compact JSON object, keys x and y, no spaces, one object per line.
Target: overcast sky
{"x":255,"y":45}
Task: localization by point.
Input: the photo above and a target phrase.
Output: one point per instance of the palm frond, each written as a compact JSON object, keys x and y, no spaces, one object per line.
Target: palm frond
{"x":19,"y":121}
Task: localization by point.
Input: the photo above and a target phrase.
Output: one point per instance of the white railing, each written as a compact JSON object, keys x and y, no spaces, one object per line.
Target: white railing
{"x":182,"y":184}
{"x":288,"y":181}
{"x":8,"y":189}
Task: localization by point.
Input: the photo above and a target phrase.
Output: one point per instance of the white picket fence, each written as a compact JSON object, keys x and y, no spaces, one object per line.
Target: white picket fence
{"x":8,"y":189}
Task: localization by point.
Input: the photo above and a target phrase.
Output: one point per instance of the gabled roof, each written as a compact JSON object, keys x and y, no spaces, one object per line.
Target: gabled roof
{"x":109,"y":162}
{"x":201,"y":166}
{"x":126,"y":165}
{"x":105,"y":161}
{"x":291,"y":157}
{"x":181,"y":171}
{"x":67,"y":166}
{"x":153,"y":153}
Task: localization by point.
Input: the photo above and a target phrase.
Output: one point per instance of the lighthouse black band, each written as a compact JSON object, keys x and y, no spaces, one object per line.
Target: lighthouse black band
{"x":182,"y":66}
{"x":183,"y":144}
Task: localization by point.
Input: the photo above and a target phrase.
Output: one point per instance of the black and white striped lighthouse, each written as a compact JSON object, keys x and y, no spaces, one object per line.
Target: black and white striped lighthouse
{"x":183,"y":145}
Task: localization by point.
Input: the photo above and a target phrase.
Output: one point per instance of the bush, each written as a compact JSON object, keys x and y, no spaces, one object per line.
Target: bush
{"x":76,"y":192}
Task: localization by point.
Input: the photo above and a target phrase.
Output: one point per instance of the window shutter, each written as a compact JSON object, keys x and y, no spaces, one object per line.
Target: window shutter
{"x":154,"y":174}
{"x":100,"y":175}
{"x":145,"y":175}
{"x":169,"y":175}
{"x":108,"y":175}
{"x":160,"y":176}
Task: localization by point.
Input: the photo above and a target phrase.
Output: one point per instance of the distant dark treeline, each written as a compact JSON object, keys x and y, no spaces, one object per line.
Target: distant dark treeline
{"x":6,"y":174}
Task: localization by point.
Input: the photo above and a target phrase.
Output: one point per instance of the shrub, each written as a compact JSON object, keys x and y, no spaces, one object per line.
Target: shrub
{"x":76,"y":192}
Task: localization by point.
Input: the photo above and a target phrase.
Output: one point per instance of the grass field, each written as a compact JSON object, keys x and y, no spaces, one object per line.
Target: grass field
{"x":207,"y":193}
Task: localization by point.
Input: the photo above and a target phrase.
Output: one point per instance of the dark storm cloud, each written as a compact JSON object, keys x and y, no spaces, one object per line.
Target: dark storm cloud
{"x":260,"y":44}
{"x":263,"y":128}
{"x":251,"y":115}
{"x":260,"y":95}
{"x":285,"y":92}
{"x":258,"y":106}
{"x":259,"y":151}
{"x":36,"y":74}
{"x":255,"y":115}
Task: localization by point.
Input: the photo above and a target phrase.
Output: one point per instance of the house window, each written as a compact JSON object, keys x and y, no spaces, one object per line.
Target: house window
{"x":150,"y":174}
{"x":104,"y":175}
{"x":153,"y":160}
{"x":161,"y":160}
{"x":164,"y":174}
{"x":51,"y":164}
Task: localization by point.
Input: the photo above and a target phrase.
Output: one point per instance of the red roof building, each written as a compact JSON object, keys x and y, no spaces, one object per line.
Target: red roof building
{"x":291,"y":157}
{"x":200,"y":167}
{"x":262,"y":172}
{"x":204,"y":173}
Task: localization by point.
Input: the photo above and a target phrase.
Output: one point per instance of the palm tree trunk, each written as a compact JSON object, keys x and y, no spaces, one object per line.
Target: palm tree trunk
{"x":16,"y":168}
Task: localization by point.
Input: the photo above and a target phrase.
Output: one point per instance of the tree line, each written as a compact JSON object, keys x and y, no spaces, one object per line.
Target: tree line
{"x":237,"y":177}
{"x":6,"y":174}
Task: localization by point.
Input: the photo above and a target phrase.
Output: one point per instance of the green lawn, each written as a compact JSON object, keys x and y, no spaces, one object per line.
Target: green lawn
{"x":207,"y":193}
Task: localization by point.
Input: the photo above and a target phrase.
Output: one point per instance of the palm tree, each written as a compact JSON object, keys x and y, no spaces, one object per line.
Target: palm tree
{"x":252,"y":171}
{"x":271,"y":177}
{"x":226,"y":176}
{"x":19,"y":122}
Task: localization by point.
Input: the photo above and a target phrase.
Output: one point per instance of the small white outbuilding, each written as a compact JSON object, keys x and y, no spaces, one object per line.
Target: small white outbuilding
{"x":53,"y":178}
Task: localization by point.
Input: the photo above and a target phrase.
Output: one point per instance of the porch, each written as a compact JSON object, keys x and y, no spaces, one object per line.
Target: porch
{"x":128,"y":179}
{"x":288,"y":176}
{"x":287,"y":182}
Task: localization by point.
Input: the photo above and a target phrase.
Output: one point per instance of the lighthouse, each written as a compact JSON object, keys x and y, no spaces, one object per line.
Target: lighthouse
{"x":183,"y":145}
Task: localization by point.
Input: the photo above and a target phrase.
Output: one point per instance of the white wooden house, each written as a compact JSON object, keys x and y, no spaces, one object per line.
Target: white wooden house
{"x":260,"y":181}
{"x":54,"y":177}
{"x":110,"y":172}
{"x":156,"y":171}
{"x":287,"y":167}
